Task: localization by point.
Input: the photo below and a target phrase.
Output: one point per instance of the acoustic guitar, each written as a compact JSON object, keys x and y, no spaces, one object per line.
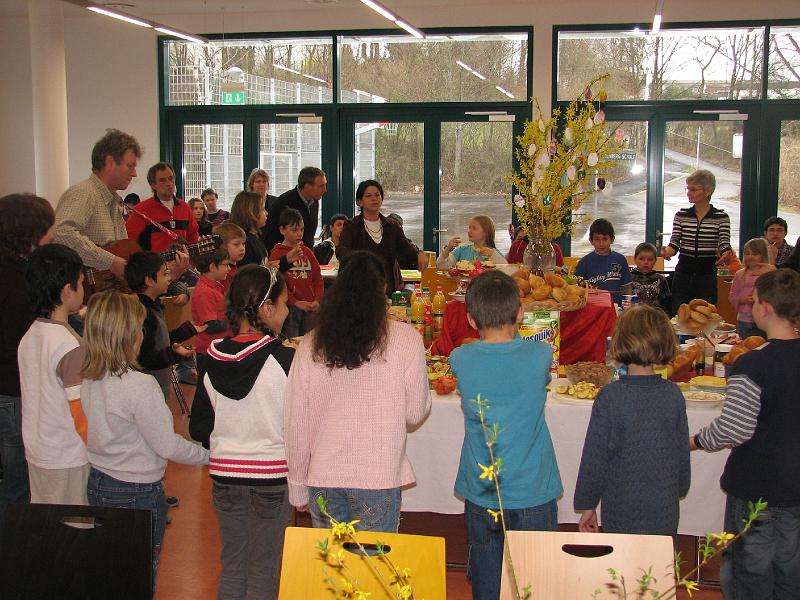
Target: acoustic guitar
{"x":96,"y":280}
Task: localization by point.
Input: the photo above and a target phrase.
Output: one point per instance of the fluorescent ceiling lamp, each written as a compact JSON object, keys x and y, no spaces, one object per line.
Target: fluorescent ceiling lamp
{"x":380,"y":9}
{"x":410,"y":29}
{"x":502,"y":91}
{"x":478,"y":75}
{"x":120,"y":16}
{"x":657,"y":17}
{"x":180,"y":34}
{"x":466,"y":67}
{"x":277,"y":66}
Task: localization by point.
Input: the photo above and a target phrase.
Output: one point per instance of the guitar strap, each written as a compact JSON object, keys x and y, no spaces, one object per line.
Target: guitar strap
{"x":178,"y":239}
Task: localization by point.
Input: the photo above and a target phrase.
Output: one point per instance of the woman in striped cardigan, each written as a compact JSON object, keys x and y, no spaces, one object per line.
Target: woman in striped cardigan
{"x":698,"y":233}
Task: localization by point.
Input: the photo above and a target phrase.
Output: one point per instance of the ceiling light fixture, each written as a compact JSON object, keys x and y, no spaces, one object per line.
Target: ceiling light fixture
{"x":117,"y":15}
{"x":387,"y":14}
{"x":466,"y":67}
{"x":657,"y":17}
{"x":502,"y":91}
{"x":122,"y":16}
{"x":296,"y":72}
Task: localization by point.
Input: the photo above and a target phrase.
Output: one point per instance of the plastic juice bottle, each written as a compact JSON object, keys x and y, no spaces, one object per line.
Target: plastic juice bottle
{"x":426,"y":295}
{"x":418,"y":312}
{"x":439,"y":302}
{"x":428,"y":331}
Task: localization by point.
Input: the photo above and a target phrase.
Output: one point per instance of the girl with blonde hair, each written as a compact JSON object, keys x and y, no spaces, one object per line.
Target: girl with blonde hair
{"x":131,"y":435}
{"x":756,"y":263}
{"x":481,"y":246}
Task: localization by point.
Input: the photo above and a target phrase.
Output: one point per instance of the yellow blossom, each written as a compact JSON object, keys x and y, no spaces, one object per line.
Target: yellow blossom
{"x":404,"y":591}
{"x":691,"y":586}
{"x":489,"y":473}
{"x":362,"y":595}
{"x":722,"y":538}
{"x":343,"y":529}
{"x":493,"y":513}
{"x":406,"y":572}
{"x":347,"y":587}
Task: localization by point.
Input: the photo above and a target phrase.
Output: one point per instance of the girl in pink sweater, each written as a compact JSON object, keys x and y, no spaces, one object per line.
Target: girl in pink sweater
{"x":356,"y":385}
{"x":756,"y":263}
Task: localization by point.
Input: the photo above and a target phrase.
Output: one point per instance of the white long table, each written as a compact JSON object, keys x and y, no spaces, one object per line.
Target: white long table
{"x":434,"y":450}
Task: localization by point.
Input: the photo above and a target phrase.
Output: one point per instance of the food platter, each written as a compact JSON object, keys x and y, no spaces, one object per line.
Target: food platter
{"x":566,"y":398}
{"x":703,"y":398}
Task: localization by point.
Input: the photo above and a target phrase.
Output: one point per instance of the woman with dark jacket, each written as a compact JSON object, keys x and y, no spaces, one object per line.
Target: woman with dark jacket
{"x":371,"y":231}
{"x":325,"y":251}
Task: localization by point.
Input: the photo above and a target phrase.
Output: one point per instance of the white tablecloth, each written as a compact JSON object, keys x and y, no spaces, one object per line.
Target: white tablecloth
{"x":434,"y":450}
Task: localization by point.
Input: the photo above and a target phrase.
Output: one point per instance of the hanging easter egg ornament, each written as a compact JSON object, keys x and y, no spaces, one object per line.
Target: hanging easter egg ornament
{"x":592,"y":159}
{"x":602,"y":97}
{"x":532,"y":150}
{"x":571,"y":173}
{"x":588,"y":94}
{"x":589,"y":123}
{"x":547,"y":201}
{"x":619,"y":136}
{"x":564,"y":181}
{"x":541,"y":126}
{"x":599,"y":117}
{"x":601,"y":183}
{"x":569,"y":138}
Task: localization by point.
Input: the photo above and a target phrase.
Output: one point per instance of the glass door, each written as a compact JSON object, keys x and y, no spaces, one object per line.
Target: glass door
{"x":212,"y":157}
{"x":703,"y":144}
{"x":789,"y":177}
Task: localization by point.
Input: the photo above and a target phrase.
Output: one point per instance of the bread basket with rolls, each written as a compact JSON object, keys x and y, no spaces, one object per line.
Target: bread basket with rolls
{"x":550,"y":292}
{"x":698,"y":317}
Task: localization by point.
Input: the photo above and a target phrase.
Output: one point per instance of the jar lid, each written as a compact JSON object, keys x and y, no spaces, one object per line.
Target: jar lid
{"x":723,"y":347}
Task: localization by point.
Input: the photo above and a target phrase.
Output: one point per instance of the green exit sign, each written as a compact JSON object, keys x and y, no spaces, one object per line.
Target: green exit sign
{"x":233,"y":97}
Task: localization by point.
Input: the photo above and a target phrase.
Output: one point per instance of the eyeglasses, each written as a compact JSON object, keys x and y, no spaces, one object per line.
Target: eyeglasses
{"x":273,"y":277}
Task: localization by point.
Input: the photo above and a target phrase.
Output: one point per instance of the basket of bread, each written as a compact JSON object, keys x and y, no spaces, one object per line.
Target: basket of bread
{"x":550,"y":292}
{"x":698,"y":316}
{"x":595,"y":373}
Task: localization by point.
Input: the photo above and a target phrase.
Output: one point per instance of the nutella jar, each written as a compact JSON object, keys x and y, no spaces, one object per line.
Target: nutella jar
{"x":720,"y":352}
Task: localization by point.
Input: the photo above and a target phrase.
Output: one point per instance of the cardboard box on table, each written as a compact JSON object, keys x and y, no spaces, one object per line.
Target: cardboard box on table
{"x":303,"y":569}
{"x":540,"y":560}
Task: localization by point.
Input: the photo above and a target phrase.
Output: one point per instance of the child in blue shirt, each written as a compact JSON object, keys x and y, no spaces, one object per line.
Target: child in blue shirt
{"x":529,"y":477}
{"x":604,"y":268}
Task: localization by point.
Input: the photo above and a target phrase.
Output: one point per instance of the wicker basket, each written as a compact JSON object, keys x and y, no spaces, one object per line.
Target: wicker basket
{"x":567,"y":306}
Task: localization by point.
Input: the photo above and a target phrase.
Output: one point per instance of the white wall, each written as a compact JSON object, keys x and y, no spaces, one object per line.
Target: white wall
{"x":111,"y":66}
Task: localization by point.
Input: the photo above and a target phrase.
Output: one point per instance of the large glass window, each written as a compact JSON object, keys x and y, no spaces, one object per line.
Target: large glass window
{"x":212,"y":157}
{"x":712,"y":145}
{"x":394,"y":155}
{"x":624,"y":202}
{"x":475,"y":163}
{"x":677,"y":64}
{"x":285,"y":148}
{"x":788,"y":180}
{"x":236,"y":72}
{"x":784,"y":62}
{"x":439,"y":68}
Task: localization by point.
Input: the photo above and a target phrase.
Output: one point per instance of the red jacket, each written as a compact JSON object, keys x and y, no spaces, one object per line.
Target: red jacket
{"x":181,"y":222}
{"x":208,"y":304}
{"x":304,"y":281}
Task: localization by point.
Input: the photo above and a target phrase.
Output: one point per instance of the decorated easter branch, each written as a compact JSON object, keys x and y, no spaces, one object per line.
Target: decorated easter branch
{"x":560,"y":168}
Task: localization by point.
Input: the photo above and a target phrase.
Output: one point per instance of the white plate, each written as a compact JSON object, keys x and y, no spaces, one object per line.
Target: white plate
{"x":566,"y":398}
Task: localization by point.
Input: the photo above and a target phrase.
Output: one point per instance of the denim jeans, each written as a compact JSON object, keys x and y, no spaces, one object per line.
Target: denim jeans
{"x":104,"y":490}
{"x":764,"y":564}
{"x":377,"y":510}
{"x":14,"y":488}
{"x":485,"y":541}
{"x":686,"y":287}
{"x":252,"y":522}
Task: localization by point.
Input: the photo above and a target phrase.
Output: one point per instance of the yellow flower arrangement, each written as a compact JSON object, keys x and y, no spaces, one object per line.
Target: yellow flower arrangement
{"x":560,"y":160}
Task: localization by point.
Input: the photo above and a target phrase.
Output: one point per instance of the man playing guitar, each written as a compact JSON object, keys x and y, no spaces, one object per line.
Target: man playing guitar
{"x":89,"y":214}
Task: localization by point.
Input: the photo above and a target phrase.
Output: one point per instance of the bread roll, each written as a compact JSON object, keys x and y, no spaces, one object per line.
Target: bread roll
{"x":684,"y":312}
{"x":699,"y":318}
{"x":523,"y":285}
{"x":541,"y":292}
{"x":704,"y":309}
{"x":753,"y":342}
{"x":735,"y":353}
{"x":554,"y":280}
{"x":536,"y":281}
{"x":560,"y":294}
{"x":697,"y":302}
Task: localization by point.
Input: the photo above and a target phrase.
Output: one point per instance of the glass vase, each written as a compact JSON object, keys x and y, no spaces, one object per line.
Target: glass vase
{"x":539,"y":256}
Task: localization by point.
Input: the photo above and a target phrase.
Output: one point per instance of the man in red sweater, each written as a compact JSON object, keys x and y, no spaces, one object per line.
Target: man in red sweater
{"x":164,"y":208}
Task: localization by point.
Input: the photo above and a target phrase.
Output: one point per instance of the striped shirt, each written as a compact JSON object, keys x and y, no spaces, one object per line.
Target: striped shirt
{"x":699,"y":241}
{"x":89,"y":215}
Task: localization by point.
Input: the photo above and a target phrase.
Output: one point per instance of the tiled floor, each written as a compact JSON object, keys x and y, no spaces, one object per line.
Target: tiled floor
{"x":190,"y":557}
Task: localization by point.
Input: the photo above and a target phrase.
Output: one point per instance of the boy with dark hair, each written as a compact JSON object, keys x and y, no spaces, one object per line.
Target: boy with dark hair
{"x":303,"y":279}
{"x":775,"y":230}
{"x":604,"y":268}
{"x":651,"y":287}
{"x":529,"y":478}
{"x":760,"y":420}
{"x":50,"y":358}
{"x":215,"y":215}
{"x":147,"y":274}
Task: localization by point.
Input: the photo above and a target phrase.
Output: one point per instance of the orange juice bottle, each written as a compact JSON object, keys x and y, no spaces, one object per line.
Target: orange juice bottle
{"x":439,"y":302}
{"x":418,"y":311}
